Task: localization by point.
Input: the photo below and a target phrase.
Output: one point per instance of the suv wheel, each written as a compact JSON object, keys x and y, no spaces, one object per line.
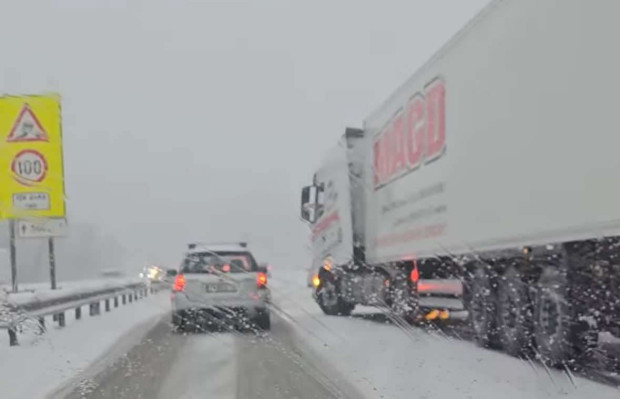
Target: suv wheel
{"x":263,"y":320}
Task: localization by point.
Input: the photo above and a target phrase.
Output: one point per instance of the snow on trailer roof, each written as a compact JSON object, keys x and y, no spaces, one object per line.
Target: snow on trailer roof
{"x":198,"y":247}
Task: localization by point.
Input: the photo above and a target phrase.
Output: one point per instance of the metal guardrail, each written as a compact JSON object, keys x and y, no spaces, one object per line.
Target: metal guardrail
{"x":15,"y":316}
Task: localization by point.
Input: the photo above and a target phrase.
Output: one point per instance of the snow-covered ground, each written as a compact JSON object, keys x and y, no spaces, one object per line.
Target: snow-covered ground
{"x":385,"y":361}
{"x":379,"y":360}
{"x":42,"y":363}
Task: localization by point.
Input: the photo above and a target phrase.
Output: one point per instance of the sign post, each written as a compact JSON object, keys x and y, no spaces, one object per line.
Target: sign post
{"x":50,"y":243}
{"x":32,"y":172}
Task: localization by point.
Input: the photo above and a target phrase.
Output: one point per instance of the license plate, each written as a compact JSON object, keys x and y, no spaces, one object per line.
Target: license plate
{"x":220,"y":287}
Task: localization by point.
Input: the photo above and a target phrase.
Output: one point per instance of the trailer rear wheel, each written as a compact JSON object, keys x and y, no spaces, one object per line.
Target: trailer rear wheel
{"x":561,"y":338}
{"x":514,"y":313}
{"x":482,"y":308}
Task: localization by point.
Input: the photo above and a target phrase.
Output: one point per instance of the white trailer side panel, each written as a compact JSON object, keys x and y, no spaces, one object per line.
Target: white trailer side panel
{"x":532,"y":136}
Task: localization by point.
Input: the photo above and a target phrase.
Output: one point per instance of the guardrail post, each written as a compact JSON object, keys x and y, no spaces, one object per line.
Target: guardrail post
{"x":78,"y":313}
{"x":116,"y":302}
{"x":91,"y":309}
{"x":130,"y":297}
{"x":61,"y":319}
{"x":12,"y":336}
{"x":107,"y":305}
{"x":135,"y":295}
{"x":124,"y":299}
{"x":55,"y":317}
{"x":41,"y":325}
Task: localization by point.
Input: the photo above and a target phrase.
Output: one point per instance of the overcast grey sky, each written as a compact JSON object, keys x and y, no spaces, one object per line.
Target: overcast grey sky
{"x":190,"y":120}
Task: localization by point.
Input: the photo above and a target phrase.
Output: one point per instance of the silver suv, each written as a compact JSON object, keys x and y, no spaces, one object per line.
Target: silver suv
{"x":220,"y":285}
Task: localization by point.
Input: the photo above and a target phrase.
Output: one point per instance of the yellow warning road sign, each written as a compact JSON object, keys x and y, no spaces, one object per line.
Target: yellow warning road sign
{"x":31,"y":166}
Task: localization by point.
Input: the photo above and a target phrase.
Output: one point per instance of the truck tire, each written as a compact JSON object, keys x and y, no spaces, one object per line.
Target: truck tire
{"x":514,"y":313}
{"x":482,"y":307}
{"x":561,"y":338}
{"x":329,"y":298}
{"x":403,"y":301}
{"x":263,"y":320}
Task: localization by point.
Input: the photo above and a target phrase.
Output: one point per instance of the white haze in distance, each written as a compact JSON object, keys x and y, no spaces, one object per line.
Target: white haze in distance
{"x":201,"y":120}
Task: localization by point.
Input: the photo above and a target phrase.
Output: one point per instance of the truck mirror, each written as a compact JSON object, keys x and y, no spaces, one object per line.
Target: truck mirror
{"x":308,"y":202}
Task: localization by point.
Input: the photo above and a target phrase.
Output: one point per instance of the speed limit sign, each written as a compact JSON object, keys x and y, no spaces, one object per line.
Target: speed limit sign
{"x":29,"y":167}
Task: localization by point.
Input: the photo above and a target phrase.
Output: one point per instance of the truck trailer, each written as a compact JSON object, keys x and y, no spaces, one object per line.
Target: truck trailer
{"x":495,"y":166}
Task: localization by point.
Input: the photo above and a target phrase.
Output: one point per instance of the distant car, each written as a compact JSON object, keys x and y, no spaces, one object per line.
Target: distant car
{"x":220,"y":285}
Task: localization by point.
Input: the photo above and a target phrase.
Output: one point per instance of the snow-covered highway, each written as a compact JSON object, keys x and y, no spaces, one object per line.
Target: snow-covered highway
{"x":132,"y":353}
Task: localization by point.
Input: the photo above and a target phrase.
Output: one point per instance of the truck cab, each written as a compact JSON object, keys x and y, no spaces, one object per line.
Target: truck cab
{"x":333,"y":206}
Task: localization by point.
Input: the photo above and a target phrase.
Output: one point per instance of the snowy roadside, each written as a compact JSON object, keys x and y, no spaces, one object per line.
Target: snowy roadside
{"x":384,"y":361}
{"x":41,"y":364}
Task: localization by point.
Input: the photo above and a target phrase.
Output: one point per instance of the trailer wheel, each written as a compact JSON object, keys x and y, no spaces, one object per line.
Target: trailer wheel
{"x":482,"y":308}
{"x":514,"y":313}
{"x":329,"y":298}
{"x":561,"y":338}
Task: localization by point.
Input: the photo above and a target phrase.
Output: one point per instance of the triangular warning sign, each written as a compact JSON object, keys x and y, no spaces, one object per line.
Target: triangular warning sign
{"x":27,"y":127}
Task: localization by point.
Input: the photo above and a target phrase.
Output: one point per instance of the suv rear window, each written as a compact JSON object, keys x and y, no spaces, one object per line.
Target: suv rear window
{"x":213,"y":262}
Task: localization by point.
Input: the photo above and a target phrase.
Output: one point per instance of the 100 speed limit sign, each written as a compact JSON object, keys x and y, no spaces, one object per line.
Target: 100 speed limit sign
{"x":29,"y":167}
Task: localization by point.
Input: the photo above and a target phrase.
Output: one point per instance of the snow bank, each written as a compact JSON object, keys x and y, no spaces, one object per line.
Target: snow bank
{"x":384,"y":361}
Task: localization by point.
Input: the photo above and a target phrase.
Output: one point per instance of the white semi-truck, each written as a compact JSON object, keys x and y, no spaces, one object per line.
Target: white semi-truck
{"x":497,"y":164}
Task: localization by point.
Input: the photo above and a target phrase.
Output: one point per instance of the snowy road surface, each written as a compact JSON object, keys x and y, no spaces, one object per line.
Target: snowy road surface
{"x":310,"y":355}
{"x":211,"y":365}
{"x":132,"y":353}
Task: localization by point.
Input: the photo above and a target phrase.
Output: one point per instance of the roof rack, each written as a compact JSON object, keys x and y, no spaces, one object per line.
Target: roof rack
{"x":193,"y":245}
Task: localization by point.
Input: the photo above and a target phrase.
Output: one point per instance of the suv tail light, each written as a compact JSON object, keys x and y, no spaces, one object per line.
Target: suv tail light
{"x":179,"y":283}
{"x":261,"y":280}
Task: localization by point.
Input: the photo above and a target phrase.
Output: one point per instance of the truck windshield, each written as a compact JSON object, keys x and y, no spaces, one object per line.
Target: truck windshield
{"x":214,"y":262}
